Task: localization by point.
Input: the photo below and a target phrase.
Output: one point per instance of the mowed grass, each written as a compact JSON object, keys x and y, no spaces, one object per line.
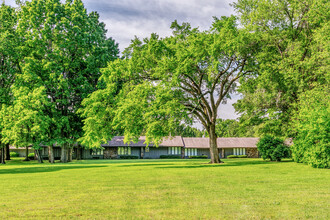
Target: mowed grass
{"x":164,"y":189}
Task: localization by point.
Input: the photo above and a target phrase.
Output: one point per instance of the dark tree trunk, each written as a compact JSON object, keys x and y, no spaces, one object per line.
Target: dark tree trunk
{"x":51,"y":154}
{"x":182,"y":152}
{"x":79,"y":153}
{"x":2,"y":158}
{"x":39,"y":156}
{"x":7,"y":152}
{"x":27,"y":154}
{"x":70,"y":154}
{"x":64,"y":154}
{"x":214,"y":152}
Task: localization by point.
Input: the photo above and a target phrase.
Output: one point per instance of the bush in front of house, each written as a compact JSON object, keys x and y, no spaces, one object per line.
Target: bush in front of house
{"x":242,"y":156}
{"x":170,"y":157}
{"x":199,"y":157}
{"x":273,"y":148}
{"x":237,"y":156}
{"x":31,"y":156}
{"x":14,"y":154}
{"x":128,"y":157}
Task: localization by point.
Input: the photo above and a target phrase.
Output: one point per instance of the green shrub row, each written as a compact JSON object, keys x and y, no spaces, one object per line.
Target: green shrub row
{"x":199,"y":157}
{"x":170,"y":157}
{"x":128,"y":157}
{"x":31,"y":156}
{"x":14,"y":154}
{"x":237,"y":156}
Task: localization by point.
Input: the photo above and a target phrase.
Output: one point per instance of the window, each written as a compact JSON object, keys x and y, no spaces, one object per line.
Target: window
{"x":124,"y":150}
{"x":239,"y":151}
{"x":190,"y":152}
{"x":96,"y":152}
{"x":174,"y":150}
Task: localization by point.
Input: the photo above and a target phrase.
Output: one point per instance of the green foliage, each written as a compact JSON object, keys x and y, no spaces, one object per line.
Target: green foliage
{"x":14,"y":154}
{"x":237,"y":156}
{"x":198,"y":157}
{"x":312,"y":123}
{"x":128,"y":157}
{"x":170,"y":157}
{"x":233,"y":128}
{"x":273,"y":148}
{"x":293,"y":59}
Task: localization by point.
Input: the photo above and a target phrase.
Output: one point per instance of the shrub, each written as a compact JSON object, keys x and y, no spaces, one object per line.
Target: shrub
{"x":170,"y":157}
{"x":232,"y":156}
{"x":272,"y":148}
{"x":242,"y":156}
{"x":128,"y":157}
{"x":14,"y":154}
{"x":199,"y":157}
{"x":31,"y":156}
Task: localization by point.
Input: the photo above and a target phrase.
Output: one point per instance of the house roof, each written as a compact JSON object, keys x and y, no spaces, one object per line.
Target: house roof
{"x":222,"y":142}
{"x":118,"y":141}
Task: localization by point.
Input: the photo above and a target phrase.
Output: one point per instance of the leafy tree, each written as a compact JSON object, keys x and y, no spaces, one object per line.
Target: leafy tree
{"x":188,"y":131}
{"x":163,"y":82}
{"x":291,"y":62}
{"x":63,"y":48}
{"x":8,"y":62}
{"x":273,"y":148}
{"x":312,"y":145}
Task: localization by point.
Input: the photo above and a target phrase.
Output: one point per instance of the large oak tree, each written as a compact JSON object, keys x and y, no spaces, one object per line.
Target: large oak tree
{"x":164,"y":82}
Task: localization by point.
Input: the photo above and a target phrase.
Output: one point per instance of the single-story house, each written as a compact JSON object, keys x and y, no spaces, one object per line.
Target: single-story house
{"x":181,"y":146}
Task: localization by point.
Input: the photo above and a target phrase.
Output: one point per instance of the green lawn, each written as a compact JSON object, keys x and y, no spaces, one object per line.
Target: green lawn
{"x":164,"y":189}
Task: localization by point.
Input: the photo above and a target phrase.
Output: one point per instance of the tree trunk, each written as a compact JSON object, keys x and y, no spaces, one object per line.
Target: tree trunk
{"x":39,"y":156}
{"x":182,"y":152}
{"x":79,"y":149}
{"x":142,"y":153}
{"x":7,"y":152}
{"x":64,"y":154}
{"x":51,"y":154}
{"x":27,"y":154}
{"x":214,"y":152}
{"x":70,"y":154}
{"x":2,"y":158}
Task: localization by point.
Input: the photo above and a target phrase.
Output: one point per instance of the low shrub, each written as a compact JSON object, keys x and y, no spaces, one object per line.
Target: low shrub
{"x":31,"y":156}
{"x":170,"y":157}
{"x":199,"y":157}
{"x":273,"y":148}
{"x":128,"y":157}
{"x":242,"y":156}
{"x":232,"y":156}
{"x":14,"y":154}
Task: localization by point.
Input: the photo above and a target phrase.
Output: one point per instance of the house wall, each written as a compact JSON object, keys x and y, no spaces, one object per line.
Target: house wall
{"x":21,"y":151}
{"x":136,"y":151}
{"x":154,"y":152}
{"x":203,"y":151}
{"x":228,"y":151}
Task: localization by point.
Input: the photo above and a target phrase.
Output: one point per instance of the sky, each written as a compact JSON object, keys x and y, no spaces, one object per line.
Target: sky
{"x":126,"y":19}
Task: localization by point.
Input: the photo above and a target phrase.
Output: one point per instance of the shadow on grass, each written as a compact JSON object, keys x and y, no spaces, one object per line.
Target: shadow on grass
{"x":44,"y":169}
{"x":145,"y":165}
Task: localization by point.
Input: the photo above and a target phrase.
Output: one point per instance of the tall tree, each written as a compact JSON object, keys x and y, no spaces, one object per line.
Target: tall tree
{"x":63,"y":47}
{"x":8,"y":61}
{"x":162,"y":82}
{"x":289,"y":64}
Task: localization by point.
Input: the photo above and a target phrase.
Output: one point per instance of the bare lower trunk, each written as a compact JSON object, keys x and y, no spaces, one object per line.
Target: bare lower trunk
{"x":2,"y":158}
{"x":39,"y":156}
{"x":70,"y":154}
{"x":214,"y":152}
{"x":7,"y":152}
{"x":26,"y":154}
{"x":51,"y":154}
{"x":142,"y":153}
{"x":78,"y":152}
{"x":64,"y":154}
{"x":182,"y":152}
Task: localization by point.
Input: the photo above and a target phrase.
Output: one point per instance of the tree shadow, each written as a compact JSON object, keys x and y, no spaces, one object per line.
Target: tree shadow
{"x":145,"y":165}
{"x":44,"y":169}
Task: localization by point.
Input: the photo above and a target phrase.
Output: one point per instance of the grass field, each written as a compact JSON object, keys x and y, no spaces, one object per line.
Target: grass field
{"x":164,"y":189}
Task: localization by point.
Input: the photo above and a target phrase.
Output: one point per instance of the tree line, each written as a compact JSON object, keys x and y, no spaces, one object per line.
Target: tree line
{"x":63,"y":82}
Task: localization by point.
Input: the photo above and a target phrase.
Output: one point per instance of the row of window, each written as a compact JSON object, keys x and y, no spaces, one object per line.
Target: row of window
{"x":124,"y":151}
{"x":190,"y":152}
{"x":174,"y":150}
{"x":239,"y":151}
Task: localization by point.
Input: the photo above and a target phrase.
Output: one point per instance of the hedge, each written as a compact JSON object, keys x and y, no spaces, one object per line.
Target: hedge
{"x":170,"y":157}
{"x":14,"y":154}
{"x":237,"y":156}
{"x":128,"y":157}
{"x":199,"y":157}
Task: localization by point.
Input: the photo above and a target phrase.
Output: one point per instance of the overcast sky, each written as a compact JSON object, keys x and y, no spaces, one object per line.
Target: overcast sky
{"x":125,"y":19}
